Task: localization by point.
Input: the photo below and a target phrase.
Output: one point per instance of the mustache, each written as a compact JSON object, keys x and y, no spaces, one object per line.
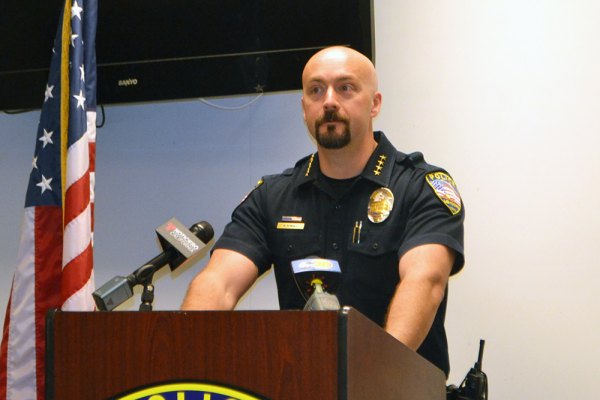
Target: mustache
{"x":330,"y":116}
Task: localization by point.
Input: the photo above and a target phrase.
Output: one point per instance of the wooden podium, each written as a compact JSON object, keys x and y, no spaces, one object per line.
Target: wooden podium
{"x":275,"y":355}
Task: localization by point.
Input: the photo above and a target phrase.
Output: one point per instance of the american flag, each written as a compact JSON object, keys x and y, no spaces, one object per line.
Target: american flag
{"x":54,"y":262}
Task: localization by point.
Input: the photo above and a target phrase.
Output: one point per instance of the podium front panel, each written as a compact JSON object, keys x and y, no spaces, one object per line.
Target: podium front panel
{"x":276,"y":354}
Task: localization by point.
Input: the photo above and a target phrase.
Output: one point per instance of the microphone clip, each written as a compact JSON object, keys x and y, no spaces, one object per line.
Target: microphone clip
{"x":315,"y":277}
{"x":321,"y":300}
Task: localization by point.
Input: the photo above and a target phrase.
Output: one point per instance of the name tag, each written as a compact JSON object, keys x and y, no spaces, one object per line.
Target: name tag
{"x":290,"y":225}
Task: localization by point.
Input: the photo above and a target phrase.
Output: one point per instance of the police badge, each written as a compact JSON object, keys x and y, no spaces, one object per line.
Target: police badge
{"x":381,"y":204}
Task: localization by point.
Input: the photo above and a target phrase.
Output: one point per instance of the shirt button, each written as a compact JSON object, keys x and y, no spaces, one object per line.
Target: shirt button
{"x":375,"y":246}
{"x":335,"y":245}
{"x":338,"y":206}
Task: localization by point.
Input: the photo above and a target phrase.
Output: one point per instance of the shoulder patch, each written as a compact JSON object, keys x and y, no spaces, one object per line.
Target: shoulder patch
{"x":445,"y":189}
{"x":258,"y":184}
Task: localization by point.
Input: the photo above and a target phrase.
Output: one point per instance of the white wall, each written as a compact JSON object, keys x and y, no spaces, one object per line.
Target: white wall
{"x":504,"y":94}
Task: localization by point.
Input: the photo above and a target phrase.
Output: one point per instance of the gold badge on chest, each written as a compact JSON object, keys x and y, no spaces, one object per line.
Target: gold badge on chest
{"x":381,"y":204}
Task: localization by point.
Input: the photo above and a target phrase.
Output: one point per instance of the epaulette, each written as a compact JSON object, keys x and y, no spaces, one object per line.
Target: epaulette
{"x":416,"y":158}
{"x":413,"y":159}
{"x":288,"y":171}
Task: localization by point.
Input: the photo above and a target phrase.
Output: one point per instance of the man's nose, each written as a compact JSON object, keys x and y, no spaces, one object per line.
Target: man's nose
{"x":330,"y":102}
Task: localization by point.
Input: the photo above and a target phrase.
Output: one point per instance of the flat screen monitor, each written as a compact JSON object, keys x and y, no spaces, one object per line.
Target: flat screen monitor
{"x":155,"y":50}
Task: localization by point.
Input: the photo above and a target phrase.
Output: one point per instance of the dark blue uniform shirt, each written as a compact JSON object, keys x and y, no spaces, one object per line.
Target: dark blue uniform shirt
{"x":300,"y":214}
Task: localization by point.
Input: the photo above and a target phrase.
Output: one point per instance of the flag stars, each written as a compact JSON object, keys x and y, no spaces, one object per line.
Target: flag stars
{"x":48,"y":93}
{"x":73,"y":37}
{"x":82,"y":71}
{"x":76,"y":10}
{"x":45,"y":184}
{"x":34,"y":163}
{"x":80,"y":99}
{"x":47,"y":138}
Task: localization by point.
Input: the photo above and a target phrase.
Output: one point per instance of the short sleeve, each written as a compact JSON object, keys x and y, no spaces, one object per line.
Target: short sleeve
{"x":435,"y":215}
{"x":246,"y":232}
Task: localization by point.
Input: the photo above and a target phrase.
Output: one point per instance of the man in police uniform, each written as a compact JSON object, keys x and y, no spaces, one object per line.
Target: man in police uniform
{"x":392,"y":222}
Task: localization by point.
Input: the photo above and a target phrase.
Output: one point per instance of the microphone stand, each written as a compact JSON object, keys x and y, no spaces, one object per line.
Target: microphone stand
{"x":143,"y":276}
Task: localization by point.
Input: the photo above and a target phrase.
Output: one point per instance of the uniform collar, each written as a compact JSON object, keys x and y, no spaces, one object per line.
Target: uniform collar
{"x":381,"y":163}
{"x":378,"y":168}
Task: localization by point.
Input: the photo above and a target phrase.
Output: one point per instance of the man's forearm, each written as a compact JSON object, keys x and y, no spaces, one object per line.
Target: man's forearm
{"x":223,"y":281}
{"x":424,"y":273}
{"x":206,"y":292}
{"x":412,"y":311}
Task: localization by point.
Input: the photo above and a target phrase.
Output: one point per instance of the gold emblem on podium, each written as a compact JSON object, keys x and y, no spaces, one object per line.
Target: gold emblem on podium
{"x":191,"y":390}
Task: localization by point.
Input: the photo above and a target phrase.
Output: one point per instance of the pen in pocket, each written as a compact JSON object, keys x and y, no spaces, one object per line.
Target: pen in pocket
{"x":356,"y":232}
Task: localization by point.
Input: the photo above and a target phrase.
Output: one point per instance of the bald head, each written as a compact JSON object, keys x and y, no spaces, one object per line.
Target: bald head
{"x":342,"y":58}
{"x":340,"y":100}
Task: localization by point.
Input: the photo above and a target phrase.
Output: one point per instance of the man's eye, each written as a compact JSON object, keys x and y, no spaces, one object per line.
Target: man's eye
{"x":346,"y":88}
{"x":316,"y":90}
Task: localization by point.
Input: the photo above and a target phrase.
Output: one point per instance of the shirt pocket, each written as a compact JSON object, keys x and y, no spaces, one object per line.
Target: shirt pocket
{"x":375,"y":241}
{"x":288,"y":246}
{"x":373,"y":262}
{"x":293,"y":245}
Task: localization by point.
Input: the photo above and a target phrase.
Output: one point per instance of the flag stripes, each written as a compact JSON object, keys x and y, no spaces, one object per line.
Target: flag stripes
{"x":55,"y":256}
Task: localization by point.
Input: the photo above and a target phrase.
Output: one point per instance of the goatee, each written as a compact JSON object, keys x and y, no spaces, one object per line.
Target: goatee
{"x":329,"y":139}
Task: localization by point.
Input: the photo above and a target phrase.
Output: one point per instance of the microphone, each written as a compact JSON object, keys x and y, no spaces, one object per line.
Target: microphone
{"x":313,"y":276}
{"x":178,"y":244}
